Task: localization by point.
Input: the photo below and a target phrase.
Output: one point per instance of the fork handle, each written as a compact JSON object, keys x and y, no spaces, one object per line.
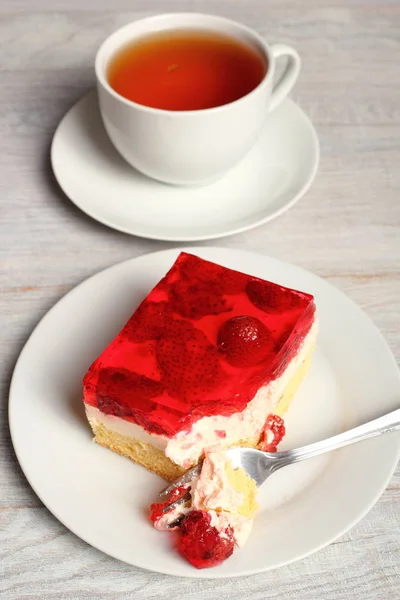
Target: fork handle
{"x":385,"y":424}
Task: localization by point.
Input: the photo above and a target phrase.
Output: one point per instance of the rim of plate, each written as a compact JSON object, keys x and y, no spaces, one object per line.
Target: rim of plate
{"x":193,"y":238}
{"x":204,"y":573}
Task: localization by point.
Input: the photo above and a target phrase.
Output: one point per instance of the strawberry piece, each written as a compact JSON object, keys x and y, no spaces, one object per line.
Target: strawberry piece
{"x":192,"y":267}
{"x":271,"y":298}
{"x":231,"y":282}
{"x":220,"y":433}
{"x":148,"y":322}
{"x":120,"y":391}
{"x":276,"y":426}
{"x":156,"y":509}
{"x":197,"y":300}
{"x":227,"y":280}
{"x":127,"y":394}
{"x":189,"y":364}
{"x":153,"y":422}
{"x":245,"y":341}
{"x":201,"y":543}
{"x":110,"y":406}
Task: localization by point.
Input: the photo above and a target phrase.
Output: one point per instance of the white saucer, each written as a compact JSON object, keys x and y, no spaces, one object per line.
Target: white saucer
{"x":103,"y":497}
{"x":268,"y":181}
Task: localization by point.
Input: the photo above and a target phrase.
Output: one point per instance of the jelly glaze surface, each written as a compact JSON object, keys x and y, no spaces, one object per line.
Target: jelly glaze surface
{"x":202,"y":343}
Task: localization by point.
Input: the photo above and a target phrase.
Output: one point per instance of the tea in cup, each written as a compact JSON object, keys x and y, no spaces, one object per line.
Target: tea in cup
{"x":183,"y":97}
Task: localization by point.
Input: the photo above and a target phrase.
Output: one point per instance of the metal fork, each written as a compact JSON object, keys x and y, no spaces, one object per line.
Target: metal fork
{"x":260,"y":465}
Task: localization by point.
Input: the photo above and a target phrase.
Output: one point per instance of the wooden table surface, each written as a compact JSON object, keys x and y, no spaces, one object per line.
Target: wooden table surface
{"x":346,"y":229}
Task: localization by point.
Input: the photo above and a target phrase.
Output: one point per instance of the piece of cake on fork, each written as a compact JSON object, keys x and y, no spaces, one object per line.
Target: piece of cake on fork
{"x":211,"y":357}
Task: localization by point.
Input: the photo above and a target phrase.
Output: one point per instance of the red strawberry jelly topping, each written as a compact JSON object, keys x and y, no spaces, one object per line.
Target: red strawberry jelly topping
{"x":245,"y":342}
{"x":201,"y":543}
{"x":190,"y":365}
{"x":276,"y":426}
{"x":202,"y":343}
{"x":112,"y":385}
{"x":148,"y":322}
{"x":272,"y":298}
{"x":197,"y":300}
{"x":126,"y":394}
{"x":156,"y":509}
{"x":225,"y":280}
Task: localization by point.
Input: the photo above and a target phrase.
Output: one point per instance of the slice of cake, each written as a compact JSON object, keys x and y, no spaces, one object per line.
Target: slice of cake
{"x":211,"y":356}
{"x":218,"y":514}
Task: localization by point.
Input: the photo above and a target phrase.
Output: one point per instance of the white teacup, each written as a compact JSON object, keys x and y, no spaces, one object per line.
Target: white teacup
{"x":190,"y":147}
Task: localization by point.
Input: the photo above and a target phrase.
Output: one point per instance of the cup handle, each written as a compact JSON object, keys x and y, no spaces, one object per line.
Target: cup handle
{"x":289,"y":76}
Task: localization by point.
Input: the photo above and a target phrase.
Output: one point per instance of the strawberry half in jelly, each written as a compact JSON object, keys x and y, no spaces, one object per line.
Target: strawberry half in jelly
{"x":201,"y":543}
{"x":202,"y":343}
{"x":272,"y":433}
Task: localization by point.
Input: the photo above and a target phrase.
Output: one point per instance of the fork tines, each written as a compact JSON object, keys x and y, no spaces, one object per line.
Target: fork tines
{"x":181,"y":481}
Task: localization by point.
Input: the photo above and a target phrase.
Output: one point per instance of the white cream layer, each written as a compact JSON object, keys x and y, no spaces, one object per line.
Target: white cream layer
{"x":186,"y":447}
{"x":213,"y":492}
{"x":164,"y":522}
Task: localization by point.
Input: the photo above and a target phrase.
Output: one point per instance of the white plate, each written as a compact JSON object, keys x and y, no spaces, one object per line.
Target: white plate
{"x":103,"y":498}
{"x":270,"y":179}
